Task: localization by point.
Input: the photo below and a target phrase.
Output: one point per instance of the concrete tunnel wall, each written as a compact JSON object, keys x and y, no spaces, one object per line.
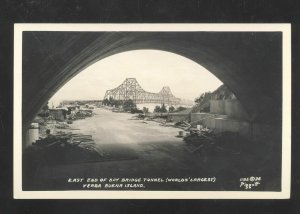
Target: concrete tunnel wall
{"x":250,"y":64}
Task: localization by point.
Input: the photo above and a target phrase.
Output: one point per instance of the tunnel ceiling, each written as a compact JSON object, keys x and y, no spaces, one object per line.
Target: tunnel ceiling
{"x":249,"y":63}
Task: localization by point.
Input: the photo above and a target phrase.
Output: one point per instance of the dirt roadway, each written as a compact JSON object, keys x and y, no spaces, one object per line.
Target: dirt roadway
{"x":140,"y":150}
{"x":108,"y":127}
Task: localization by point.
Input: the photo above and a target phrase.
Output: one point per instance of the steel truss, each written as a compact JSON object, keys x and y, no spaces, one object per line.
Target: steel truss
{"x":131,"y":89}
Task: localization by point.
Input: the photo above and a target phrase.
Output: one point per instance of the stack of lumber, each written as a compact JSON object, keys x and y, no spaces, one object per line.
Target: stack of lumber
{"x":183,"y":125}
{"x":63,"y":138}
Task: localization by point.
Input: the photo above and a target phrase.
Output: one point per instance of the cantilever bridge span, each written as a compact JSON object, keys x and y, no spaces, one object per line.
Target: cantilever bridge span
{"x":131,"y":89}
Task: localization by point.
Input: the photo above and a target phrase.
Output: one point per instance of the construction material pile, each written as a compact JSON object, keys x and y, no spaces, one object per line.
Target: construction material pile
{"x":206,"y":139}
{"x":60,"y":125}
{"x":183,"y":125}
{"x":148,"y":117}
{"x":141,"y":116}
{"x":199,"y":139}
{"x":63,"y":148}
{"x":80,"y":114}
{"x":63,"y":138}
{"x":69,"y":148}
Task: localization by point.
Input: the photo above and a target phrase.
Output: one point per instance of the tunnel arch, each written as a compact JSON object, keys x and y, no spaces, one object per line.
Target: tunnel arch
{"x":243,"y":61}
{"x":153,"y":71}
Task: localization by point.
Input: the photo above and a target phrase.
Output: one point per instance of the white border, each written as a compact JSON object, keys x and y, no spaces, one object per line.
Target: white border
{"x":286,"y":114}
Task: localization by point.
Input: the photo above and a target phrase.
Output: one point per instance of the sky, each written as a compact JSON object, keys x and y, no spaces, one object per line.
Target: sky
{"x":153,"y":69}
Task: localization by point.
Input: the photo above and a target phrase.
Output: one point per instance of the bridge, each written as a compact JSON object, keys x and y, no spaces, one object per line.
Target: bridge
{"x":248,"y":63}
{"x":131,"y":89}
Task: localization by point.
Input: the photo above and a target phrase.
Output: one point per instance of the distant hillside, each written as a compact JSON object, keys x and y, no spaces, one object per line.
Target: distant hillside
{"x":203,"y":102}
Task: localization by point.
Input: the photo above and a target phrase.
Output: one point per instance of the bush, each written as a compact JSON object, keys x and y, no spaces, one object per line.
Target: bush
{"x":163,"y":109}
{"x":105,"y":102}
{"x":157,"y":109}
{"x":129,"y":104}
{"x":180,"y":108}
{"x":145,"y":110}
{"x":203,"y":97}
{"x":171,"y":109}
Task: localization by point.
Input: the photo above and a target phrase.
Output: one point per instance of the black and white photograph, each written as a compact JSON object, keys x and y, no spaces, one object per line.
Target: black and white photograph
{"x":152,"y":111}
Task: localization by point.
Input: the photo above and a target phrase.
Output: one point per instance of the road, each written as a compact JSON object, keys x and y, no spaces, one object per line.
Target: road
{"x":109,"y":127}
{"x":137,"y":149}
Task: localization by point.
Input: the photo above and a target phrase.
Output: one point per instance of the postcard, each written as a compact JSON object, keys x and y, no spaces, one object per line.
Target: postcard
{"x":152,"y":111}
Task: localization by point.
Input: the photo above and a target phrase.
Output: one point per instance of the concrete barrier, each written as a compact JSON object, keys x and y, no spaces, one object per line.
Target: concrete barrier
{"x":206,"y":119}
{"x":32,"y":134}
{"x":232,"y":108}
{"x":178,"y":117}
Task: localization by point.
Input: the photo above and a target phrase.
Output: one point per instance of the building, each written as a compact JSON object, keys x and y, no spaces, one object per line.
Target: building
{"x":58,"y":114}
